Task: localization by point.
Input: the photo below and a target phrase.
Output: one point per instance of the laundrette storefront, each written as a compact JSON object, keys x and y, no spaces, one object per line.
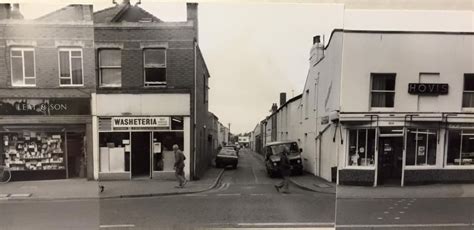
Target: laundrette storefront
{"x":134,"y":139}
{"x":45,"y":138}
{"x":406,"y":149}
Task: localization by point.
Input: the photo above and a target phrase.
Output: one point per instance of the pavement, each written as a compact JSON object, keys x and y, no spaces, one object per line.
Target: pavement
{"x":307,"y":181}
{"x":84,"y":189}
{"x":412,"y":191}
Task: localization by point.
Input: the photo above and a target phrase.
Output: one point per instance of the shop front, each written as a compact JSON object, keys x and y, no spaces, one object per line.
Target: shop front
{"x":140,"y":145}
{"x":45,"y":138}
{"x":397,"y":153}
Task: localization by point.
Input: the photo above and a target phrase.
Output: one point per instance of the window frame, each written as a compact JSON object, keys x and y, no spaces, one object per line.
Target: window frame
{"x":155,"y":66}
{"x":460,"y":165}
{"x":417,"y":131}
{"x":109,"y":67}
{"x":466,"y":91}
{"x":70,"y":50}
{"x":372,"y":91}
{"x":366,"y":143}
{"x":22,"y":50}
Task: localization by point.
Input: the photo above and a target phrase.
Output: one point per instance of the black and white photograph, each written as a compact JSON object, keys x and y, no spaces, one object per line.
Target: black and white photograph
{"x":236,"y":114}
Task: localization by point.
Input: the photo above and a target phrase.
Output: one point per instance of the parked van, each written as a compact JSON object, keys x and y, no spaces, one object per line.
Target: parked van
{"x":272,"y":157}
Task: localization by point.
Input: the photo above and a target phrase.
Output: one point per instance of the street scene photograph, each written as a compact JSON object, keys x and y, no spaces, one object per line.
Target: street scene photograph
{"x":309,"y":114}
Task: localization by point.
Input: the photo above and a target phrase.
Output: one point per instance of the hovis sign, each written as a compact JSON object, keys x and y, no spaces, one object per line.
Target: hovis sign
{"x":127,"y":122}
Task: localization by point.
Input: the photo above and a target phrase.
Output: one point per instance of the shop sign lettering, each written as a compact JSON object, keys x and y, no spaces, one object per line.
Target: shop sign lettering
{"x":44,"y":106}
{"x":126,"y":122}
{"x":428,"y":89}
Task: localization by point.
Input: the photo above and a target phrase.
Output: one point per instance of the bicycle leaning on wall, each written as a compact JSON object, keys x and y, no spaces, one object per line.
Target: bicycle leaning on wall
{"x":5,"y":174}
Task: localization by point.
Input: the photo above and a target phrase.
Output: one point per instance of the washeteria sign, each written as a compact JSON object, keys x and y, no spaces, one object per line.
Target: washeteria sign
{"x":140,"y":122}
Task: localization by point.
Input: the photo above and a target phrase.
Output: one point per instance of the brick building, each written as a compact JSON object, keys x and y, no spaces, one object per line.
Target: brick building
{"x":46,"y":80}
{"x":152,"y":93}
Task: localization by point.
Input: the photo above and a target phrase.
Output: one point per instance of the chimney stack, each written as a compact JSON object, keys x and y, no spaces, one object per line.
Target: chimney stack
{"x":4,"y":11}
{"x":274,"y":107}
{"x":282,"y":98}
{"x":192,"y":15}
{"x":15,"y":11}
{"x":316,"y":39}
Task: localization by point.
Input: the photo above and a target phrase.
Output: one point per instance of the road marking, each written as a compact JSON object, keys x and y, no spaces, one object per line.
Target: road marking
{"x":379,"y":218}
{"x":284,"y":224}
{"x":20,"y":195}
{"x":254,"y":194}
{"x":228,"y":194}
{"x":196,"y":195}
{"x":397,"y":218}
{"x":405,"y":225}
{"x":4,"y":195}
{"x":255,"y":176}
{"x":117,"y":226}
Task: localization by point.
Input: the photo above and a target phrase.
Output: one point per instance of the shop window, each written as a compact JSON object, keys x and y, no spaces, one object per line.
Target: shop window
{"x":361,"y":147}
{"x":383,"y":90}
{"x":163,"y":155}
{"x":421,"y":147}
{"x":460,"y":147}
{"x":23,"y":67}
{"x":114,"y":151}
{"x":110,"y":68}
{"x":468,"y":93}
{"x":70,"y":67}
{"x":33,"y":151}
{"x":155,"y":67}
{"x":177,"y":123}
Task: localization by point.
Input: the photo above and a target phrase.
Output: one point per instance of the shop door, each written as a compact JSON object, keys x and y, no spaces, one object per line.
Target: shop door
{"x":76,"y":155}
{"x":390,"y":160}
{"x":141,"y":153}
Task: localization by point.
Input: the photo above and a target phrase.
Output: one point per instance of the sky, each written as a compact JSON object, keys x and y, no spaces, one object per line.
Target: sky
{"x":254,"y":51}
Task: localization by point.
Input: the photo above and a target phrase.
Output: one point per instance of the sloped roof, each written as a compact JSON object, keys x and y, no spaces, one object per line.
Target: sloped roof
{"x":123,"y":12}
{"x":73,"y":12}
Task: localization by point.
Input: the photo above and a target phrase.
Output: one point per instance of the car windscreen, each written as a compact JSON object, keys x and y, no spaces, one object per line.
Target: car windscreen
{"x":277,"y":149}
{"x":227,"y":152}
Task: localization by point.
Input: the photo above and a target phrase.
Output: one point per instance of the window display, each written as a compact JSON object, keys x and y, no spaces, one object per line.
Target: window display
{"x":460,"y":147}
{"x":29,"y":151}
{"x":361,"y":147}
{"x":163,"y":155}
{"x":421,"y":147}
{"x":114,"y":151}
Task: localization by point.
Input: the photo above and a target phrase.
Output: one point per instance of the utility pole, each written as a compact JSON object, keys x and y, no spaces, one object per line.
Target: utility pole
{"x":229,"y":134}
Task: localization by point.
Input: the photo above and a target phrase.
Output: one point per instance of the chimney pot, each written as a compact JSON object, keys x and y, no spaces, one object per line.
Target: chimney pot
{"x":282,"y":98}
{"x":316,"y":39}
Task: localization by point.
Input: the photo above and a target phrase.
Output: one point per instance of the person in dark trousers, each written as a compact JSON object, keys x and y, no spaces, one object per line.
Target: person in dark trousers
{"x":285,"y":171}
{"x":179,"y":166}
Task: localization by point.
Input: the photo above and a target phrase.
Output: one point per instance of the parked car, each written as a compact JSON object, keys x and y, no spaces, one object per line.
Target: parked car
{"x":272,"y":157}
{"x":234,"y":147}
{"x":227,"y":156}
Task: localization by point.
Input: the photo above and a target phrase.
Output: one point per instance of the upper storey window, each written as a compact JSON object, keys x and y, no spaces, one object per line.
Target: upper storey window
{"x":154,"y":67}
{"x":23,"y":67}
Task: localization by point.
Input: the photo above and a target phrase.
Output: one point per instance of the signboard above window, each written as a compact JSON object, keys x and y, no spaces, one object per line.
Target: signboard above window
{"x":45,"y":107}
{"x":140,"y":122}
{"x":428,"y":89}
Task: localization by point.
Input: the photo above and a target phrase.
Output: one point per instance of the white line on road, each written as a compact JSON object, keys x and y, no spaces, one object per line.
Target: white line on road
{"x":285,"y":224}
{"x":255,"y":175}
{"x":228,"y":194}
{"x":117,"y":226}
{"x":405,"y":225}
{"x":255,"y":194}
{"x":195,"y":195}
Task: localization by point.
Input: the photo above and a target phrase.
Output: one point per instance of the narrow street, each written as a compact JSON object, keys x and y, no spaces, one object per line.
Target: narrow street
{"x":245,"y":198}
{"x":424,"y":213}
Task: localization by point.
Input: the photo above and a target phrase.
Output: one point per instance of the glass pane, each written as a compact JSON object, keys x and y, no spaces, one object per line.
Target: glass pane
{"x":65,"y":81}
{"x":64,"y":63}
{"x":353,"y":157}
{"x":110,"y":58}
{"x":370,"y":148}
{"x":163,"y":155}
{"x":17,"y":71}
{"x":176,"y":123}
{"x":421,"y":147}
{"x":411,"y":147}
{"x":454,"y":143}
{"x":76,"y":71}
{"x":16,"y":53}
{"x":155,"y":75}
{"x":155,"y":56}
{"x":468,"y":100}
{"x":383,"y":81}
{"x":383,"y":99}
{"x":467,"y":157}
{"x":76,"y":53}
{"x":361,"y":148}
{"x":432,"y":144}
{"x":112,"y":155}
{"x":29,"y":64}
{"x":111,"y":77}
{"x":469,"y":82}
{"x":30,"y":81}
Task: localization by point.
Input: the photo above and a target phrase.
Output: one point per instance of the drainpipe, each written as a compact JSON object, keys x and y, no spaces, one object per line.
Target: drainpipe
{"x":195,"y":109}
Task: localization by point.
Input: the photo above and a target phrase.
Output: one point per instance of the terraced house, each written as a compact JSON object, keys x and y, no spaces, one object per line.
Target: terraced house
{"x":148,"y":69}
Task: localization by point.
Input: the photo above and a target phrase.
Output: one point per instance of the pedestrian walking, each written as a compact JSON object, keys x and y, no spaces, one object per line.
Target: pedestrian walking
{"x":179,"y":166}
{"x":285,"y":171}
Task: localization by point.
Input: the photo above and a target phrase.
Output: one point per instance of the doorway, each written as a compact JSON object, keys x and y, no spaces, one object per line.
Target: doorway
{"x":390,"y":160}
{"x":141,"y":153}
{"x":76,"y":155}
